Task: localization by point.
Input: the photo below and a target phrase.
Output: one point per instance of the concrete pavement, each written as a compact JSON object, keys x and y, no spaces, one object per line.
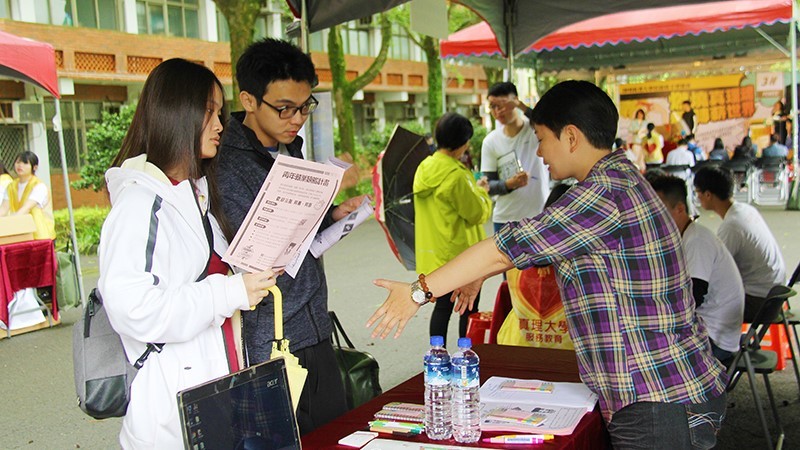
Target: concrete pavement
{"x":39,"y":411}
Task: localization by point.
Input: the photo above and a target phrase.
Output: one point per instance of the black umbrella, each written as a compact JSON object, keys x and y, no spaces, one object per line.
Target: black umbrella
{"x":393,"y":182}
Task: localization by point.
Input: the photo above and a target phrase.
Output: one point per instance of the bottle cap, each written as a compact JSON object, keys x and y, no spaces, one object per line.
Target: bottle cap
{"x":464,"y":342}
{"x":437,"y":341}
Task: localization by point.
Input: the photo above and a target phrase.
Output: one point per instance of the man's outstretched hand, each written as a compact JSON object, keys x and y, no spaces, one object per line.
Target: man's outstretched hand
{"x":396,"y":311}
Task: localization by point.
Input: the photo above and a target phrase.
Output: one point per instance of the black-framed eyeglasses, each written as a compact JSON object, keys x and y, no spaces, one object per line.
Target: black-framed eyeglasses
{"x":287,"y":112}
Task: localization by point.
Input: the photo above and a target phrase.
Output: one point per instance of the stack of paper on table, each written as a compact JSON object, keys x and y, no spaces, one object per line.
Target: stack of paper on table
{"x":533,"y":406}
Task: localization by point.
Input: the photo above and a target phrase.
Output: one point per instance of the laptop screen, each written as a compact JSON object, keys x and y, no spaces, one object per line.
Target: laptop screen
{"x":246,"y":410}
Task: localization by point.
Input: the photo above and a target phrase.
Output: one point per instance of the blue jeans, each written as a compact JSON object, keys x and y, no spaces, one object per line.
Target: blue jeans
{"x":668,"y":426}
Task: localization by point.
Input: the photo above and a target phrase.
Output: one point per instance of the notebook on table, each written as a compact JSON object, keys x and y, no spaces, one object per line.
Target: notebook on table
{"x":247,"y":410}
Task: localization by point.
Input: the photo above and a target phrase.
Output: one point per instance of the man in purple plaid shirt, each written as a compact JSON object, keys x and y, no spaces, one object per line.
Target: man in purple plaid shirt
{"x":620,"y":269}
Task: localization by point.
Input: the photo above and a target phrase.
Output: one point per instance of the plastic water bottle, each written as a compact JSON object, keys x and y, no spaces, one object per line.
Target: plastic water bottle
{"x":466,"y":383}
{"x":438,"y":407}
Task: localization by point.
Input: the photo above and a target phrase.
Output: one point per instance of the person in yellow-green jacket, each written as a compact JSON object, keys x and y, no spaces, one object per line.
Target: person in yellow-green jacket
{"x":450,"y":208}
{"x":29,"y":195}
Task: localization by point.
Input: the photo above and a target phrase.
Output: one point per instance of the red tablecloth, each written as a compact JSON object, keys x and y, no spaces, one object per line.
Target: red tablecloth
{"x":502,"y":360}
{"x":30,"y":264}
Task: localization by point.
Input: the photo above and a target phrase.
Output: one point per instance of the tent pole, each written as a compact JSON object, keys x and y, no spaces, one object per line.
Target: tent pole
{"x":793,"y":40}
{"x":794,"y":195}
{"x":73,"y":235}
{"x":508,"y":18}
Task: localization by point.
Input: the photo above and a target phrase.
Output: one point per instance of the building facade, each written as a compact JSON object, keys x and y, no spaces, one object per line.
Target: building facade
{"x":106,"y":48}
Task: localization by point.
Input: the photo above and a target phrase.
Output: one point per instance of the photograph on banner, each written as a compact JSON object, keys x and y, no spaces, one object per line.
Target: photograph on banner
{"x":725,"y":106}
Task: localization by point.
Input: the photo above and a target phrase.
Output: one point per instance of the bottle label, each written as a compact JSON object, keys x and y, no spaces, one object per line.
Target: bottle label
{"x":437,"y":374}
{"x":466,"y":376}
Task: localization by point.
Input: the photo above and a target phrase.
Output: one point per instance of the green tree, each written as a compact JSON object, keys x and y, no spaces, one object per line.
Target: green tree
{"x":103,"y":142}
{"x":241,"y":16}
{"x":458,"y":17}
{"x":343,"y":90}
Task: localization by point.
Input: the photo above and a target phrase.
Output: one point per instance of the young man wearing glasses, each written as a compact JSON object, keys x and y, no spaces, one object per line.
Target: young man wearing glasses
{"x":276,"y":79}
{"x":516,"y":174}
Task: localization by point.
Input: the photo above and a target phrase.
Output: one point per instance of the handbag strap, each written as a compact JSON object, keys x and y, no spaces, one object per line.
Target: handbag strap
{"x":153,"y":347}
{"x":278,"y":305}
{"x":337,"y":328}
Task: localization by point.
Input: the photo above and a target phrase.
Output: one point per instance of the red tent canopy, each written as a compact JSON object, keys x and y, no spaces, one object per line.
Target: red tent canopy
{"x":28,"y":60}
{"x":632,"y":26}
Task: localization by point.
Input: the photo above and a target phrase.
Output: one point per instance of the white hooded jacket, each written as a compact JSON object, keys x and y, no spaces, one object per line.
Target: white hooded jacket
{"x":153,"y":247}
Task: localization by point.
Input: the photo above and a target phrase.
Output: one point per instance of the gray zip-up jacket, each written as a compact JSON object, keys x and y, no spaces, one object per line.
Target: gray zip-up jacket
{"x":243,"y":166}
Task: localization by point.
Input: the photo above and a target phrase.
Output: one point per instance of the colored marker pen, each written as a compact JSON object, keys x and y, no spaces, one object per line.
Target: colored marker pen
{"x":519,"y":439}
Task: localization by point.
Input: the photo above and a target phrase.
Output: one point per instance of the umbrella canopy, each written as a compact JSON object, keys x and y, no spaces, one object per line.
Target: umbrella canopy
{"x":35,"y":62}
{"x":327,"y":13}
{"x":28,"y":60}
{"x":516,"y":22}
{"x":638,"y":26}
{"x":393,"y":182}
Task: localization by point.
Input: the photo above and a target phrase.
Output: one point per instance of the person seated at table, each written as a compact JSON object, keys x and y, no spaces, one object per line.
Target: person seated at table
{"x":29,"y":195}
{"x":716,"y":284}
{"x":537,"y":317}
{"x":622,"y":277}
{"x":745,"y":234}
{"x":775,"y":149}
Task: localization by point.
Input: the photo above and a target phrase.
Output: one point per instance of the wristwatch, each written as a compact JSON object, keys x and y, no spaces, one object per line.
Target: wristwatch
{"x":418,"y":295}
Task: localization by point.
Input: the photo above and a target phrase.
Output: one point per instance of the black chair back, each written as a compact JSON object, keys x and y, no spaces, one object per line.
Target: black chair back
{"x":772,"y":163}
{"x":795,"y":276}
{"x":765,"y":317}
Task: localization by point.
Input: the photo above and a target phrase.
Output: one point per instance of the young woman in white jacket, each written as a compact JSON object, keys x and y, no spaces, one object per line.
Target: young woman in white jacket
{"x":154,"y":250}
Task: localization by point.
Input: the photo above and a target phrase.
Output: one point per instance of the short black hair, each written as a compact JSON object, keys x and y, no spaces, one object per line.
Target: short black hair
{"x":672,"y":188}
{"x":28,"y":157}
{"x":687,"y":102}
{"x":715,"y":179}
{"x":502,"y":89}
{"x":271,"y":60}
{"x":581,"y":104}
{"x":453,"y":130}
{"x":653,"y":173}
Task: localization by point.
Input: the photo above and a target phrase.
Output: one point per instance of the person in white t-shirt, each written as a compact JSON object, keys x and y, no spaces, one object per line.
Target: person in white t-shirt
{"x":745,"y":234}
{"x":681,"y":156}
{"x":516,"y":174}
{"x":716,"y":284}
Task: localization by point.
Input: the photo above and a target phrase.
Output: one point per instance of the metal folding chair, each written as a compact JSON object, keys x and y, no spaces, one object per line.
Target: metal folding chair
{"x":751,"y":359}
{"x":771,"y":181}
{"x":790,"y":318}
{"x":743,"y":172}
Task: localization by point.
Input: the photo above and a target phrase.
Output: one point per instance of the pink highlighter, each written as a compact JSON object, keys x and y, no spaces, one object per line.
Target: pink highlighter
{"x":519,"y":439}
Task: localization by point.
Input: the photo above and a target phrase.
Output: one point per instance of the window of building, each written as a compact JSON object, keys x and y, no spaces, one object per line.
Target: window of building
{"x":402,"y":46}
{"x":263,"y":28}
{"x":5,"y":9}
{"x":76,"y":119}
{"x":102,"y":14}
{"x":170,"y":17}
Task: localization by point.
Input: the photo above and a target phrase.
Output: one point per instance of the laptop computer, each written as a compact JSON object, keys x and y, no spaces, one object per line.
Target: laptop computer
{"x":247,"y":410}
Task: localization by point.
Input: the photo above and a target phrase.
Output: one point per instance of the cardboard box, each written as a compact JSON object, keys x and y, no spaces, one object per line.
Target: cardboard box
{"x":16,"y":229}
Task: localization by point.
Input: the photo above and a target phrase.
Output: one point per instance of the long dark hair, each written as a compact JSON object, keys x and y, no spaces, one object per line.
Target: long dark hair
{"x":3,"y":170}
{"x":169,"y":121}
